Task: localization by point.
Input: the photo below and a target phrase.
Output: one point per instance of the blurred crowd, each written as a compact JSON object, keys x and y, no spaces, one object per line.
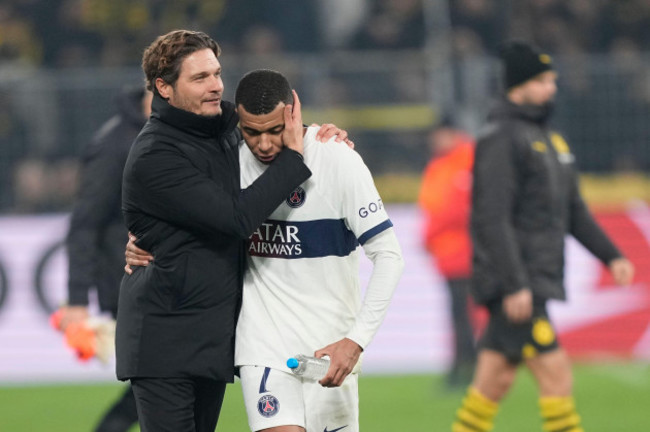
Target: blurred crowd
{"x":559,"y":26}
{"x":76,"y":33}
{"x":37,"y":169}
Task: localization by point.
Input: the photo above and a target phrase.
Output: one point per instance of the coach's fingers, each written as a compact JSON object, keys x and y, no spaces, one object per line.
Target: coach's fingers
{"x":137,"y":253}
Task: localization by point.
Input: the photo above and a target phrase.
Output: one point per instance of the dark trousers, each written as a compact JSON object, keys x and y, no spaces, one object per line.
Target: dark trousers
{"x":464,"y":344}
{"x":121,"y":416}
{"x":178,"y":404}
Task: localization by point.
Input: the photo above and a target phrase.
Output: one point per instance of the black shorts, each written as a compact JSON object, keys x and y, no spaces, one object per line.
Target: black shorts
{"x":519,"y":341}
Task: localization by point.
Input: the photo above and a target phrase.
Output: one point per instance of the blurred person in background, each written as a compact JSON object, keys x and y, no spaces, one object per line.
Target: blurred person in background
{"x":525,"y":200}
{"x":96,"y":237}
{"x":445,"y":195}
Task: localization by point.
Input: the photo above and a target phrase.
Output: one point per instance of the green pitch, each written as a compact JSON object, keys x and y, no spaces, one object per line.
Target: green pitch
{"x":610,"y":398}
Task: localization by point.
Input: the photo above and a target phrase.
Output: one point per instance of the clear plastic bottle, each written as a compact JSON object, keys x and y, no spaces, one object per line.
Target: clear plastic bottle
{"x":307,"y":367}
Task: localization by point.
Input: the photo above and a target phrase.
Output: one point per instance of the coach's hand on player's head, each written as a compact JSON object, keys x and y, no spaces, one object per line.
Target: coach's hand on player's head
{"x":293,"y":133}
{"x":135,"y":256}
{"x":518,"y":306}
{"x":343,"y":355}
{"x":622,"y":270}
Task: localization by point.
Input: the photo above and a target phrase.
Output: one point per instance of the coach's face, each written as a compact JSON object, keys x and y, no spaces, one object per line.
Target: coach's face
{"x":263,"y":133}
{"x":199,"y":86}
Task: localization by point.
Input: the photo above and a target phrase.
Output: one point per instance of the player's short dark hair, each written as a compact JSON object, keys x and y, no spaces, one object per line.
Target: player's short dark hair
{"x":163,"y":58}
{"x":260,"y":91}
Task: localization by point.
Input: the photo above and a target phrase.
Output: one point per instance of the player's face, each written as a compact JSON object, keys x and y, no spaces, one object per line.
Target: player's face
{"x":263,"y":133}
{"x":199,"y":86}
{"x":541,"y":89}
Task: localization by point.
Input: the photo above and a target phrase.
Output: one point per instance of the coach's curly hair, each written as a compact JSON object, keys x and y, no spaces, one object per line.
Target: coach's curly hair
{"x":163,"y":58}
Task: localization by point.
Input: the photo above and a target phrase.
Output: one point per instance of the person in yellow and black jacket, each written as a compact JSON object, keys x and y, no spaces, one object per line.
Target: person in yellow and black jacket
{"x":525,"y":200}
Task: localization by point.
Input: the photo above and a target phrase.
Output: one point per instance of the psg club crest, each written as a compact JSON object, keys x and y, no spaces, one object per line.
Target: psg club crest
{"x":268,"y":405}
{"x":296,"y":198}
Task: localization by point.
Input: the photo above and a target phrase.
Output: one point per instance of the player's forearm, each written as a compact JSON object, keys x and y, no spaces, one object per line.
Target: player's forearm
{"x":586,"y":230}
{"x":384,"y":252}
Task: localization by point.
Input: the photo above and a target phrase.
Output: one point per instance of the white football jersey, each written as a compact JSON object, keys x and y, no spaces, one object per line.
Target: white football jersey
{"x":301,"y":290}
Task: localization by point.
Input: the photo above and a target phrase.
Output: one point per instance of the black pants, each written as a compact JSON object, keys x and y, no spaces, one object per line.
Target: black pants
{"x":464,"y":344}
{"x":517,"y":341}
{"x":178,"y":404}
{"x":121,"y":416}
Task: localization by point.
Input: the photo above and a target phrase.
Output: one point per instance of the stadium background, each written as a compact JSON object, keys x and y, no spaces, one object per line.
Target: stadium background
{"x":387,"y":71}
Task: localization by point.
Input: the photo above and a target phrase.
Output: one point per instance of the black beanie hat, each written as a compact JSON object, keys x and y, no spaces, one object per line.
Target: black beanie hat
{"x":522,"y":62}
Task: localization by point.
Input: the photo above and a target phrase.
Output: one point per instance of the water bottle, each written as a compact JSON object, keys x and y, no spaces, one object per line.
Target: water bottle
{"x":307,"y":367}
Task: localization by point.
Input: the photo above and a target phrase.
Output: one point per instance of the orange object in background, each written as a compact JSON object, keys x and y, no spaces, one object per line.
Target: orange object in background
{"x":93,"y":337}
{"x":82,"y":339}
{"x":445,"y":198}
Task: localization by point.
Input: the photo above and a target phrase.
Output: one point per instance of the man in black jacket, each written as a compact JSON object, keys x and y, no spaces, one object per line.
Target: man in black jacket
{"x":525,"y":200}
{"x":96,"y":237}
{"x":182,"y":200}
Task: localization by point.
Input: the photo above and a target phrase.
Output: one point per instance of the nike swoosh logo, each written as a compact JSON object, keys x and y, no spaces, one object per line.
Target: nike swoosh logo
{"x":334,"y":430}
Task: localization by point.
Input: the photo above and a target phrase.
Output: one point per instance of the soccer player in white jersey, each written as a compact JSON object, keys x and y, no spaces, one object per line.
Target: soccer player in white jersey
{"x":301,"y":291}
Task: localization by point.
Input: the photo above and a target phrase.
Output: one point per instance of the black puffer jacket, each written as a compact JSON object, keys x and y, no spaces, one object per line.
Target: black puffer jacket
{"x":97,"y":235}
{"x":525,"y":200}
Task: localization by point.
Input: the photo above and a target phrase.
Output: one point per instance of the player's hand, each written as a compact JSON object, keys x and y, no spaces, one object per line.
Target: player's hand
{"x":343,"y":355}
{"x":328,"y":130}
{"x":518,"y":306}
{"x":622,"y":270}
{"x":71,"y":315}
{"x":135,"y":256}
{"x":293,"y":133}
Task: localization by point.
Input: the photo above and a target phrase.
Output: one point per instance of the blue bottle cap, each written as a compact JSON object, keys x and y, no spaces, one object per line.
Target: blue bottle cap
{"x":292,"y":363}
